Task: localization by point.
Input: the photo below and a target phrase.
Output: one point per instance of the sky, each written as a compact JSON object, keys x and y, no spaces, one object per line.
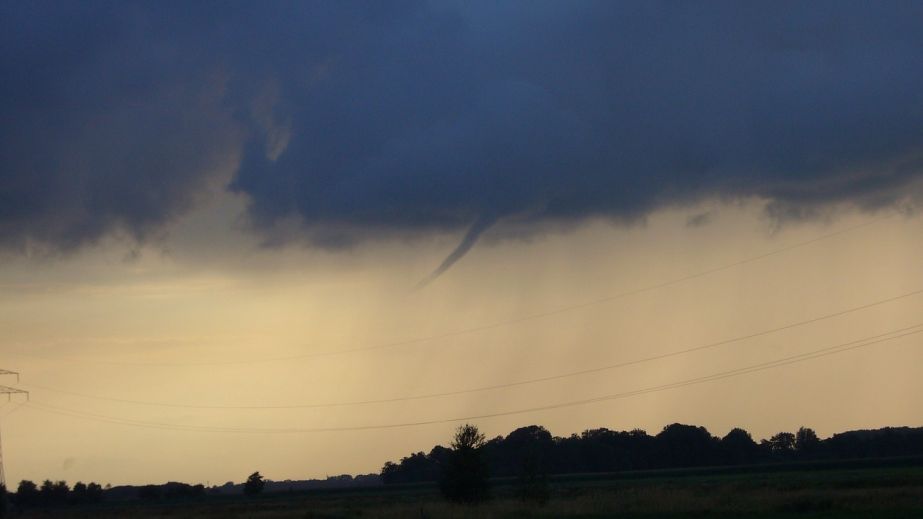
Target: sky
{"x":226,"y":228}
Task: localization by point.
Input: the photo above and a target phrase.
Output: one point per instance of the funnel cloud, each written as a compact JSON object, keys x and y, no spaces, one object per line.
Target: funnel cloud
{"x":468,"y":241}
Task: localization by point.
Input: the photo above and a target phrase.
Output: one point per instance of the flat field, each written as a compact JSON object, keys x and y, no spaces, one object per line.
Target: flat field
{"x":883,"y":492}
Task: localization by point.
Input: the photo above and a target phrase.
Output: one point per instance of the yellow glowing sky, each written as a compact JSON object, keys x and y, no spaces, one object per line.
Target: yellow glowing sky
{"x":151,"y":326}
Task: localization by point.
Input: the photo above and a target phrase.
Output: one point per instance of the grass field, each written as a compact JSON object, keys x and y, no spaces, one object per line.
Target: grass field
{"x":892,"y":492}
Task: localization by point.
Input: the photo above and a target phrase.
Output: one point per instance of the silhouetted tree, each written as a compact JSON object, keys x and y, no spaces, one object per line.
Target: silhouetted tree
{"x":60,"y":492}
{"x":175,"y":490}
{"x":53,"y":493}
{"x":506,"y":456}
{"x":806,"y":442}
{"x":79,"y":493}
{"x":389,"y":472}
{"x":4,"y":504}
{"x":782,"y":444}
{"x":412,"y":469}
{"x":254,"y":484}
{"x":738,"y":447}
{"x":94,"y":493}
{"x":27,"y":493}
{"x":686,"y":446}
{"x":464,"y":477}
{"x":45,"y":492}
{"x":438,"y":458}
{"x":889,"y":441}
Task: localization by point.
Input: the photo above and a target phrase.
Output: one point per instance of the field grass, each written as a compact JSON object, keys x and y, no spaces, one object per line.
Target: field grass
{"x":892,"y":492}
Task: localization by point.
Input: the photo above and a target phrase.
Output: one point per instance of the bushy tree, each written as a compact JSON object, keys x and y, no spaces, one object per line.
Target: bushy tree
{"x":682,"y":445}
{"x":79,"y":493}
{"x":465,"y":474}
{"x":806,"y":441}
{"x":54,"y":493}
{"x":738,"y":447}
{"x":782,"y":443}
{"x":390,"y":473}
{"x":27,"y":493}
{"x":94,"y":493}
{"x":254,"y":484}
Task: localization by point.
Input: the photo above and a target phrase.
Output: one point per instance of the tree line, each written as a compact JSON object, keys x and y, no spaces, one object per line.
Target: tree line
{"x":532,"y":453}
{"x":50,"y":494}
{"x":533,"y":450}
{"x":57,"y":494}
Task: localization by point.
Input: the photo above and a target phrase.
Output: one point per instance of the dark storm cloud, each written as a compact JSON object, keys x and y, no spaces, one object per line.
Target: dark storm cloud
{"x":362,"y":120}
{"x":108,"y":125}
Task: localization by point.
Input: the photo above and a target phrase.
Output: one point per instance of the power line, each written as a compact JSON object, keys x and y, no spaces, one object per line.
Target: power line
{"x":494,"y":325}
{"x":597,"y":369}
{"x":793,"y":359}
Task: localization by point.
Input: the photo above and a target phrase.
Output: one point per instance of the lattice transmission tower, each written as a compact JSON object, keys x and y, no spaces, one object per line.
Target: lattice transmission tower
{"x":9,"y":392}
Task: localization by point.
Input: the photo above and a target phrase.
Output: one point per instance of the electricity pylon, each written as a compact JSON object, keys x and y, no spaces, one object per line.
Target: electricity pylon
{"x":9,"y":392}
